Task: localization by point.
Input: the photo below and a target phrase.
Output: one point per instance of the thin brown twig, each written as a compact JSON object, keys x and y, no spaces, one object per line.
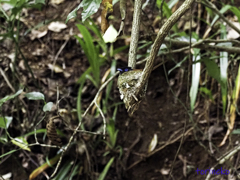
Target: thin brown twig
{"x":202,"y":45}
{"x":104,"y":119}
{"x":7,"y":81}
{"x":58,"y":53}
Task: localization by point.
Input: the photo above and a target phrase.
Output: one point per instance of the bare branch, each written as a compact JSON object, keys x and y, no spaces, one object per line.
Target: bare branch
{"x":156,"y":45}
{"x":135,"y":34}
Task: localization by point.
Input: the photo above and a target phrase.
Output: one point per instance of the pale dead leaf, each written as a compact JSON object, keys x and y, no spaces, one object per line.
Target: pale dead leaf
{"x":66,"y":74}
{"x":188,"y":25}
{"x":232,"y":34}
{"x":153,"y":143}
{"x":37,"y":34}
{"x":165,"y":171}
{"x":56,"y":68}
{"x":21,"y":65}
{"x":38,"y":52}
{"x":7,"y":176}
{"x":57,"y":26}
{"x":57,"y":1}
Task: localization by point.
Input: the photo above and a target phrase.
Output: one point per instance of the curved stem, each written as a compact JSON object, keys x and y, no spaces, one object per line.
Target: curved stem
{"x":135,"y":34}
{"x":159,"y":40}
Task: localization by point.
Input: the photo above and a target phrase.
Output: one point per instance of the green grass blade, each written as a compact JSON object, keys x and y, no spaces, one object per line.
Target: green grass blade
{"x":236,"y":11}
{"x":223,"y":10}
{"x":223,"y":70}
{"x":79,"y":112}
{"x":6,"y":98}
{"x":104,"y":173}
{"x":5,"y":121}
{"x":91,"y":52}
{"x":196,"y":68}
{"x":83,"y":76}
{"x":9,"y":152}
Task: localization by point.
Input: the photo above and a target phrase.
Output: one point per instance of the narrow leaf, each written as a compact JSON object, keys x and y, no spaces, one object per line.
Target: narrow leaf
{"x":5,"y":121}
{"x":43,"y":167}
{"x":223,"y":10}
{"x":48,"y":106}
{"x":223,"y":70}
{"x":21,"y":142}
{"x":153,"y":143}
{"x":9,"y":152}
{"x":6,"y":98}
{"x":35,"y":96}
{"x":104,"y":173}
{"x":213,"y":69}
{"x":196,"y":67}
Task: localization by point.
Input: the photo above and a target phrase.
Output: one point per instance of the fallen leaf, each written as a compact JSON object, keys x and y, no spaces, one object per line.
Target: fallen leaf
{"x":57,"y":1}
{"x":56,"y":68}
{"x":232,"y":34}
{"x":37,"y":34}
{"x":57,"y":26}
{"x":153,"y":143}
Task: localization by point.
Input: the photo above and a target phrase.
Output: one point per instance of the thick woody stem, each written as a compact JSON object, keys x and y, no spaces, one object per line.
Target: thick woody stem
{"x":159,"y":40}
{"x":135,"y":34}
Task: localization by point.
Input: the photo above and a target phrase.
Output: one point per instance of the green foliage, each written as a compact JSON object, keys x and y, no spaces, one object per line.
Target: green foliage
{"x":104,"y":173}
{"x":196,"y":67}
{"x":35,"y":96}
{"x":92,"y":53}
{"x":207,"y":92}
{"x":166,"y":8}
{"x":6,"y":98}
{"x":236,"y":11}
{"x":40,"y":96}
{"x":16,"y":6}
{"x":223,"y":10}
{"x":112,"y":132}
{"x":223,"y":71}
{"x":21,"y":142}
{"x":9,"y":152}
{"x":65,"y":170}
{"x":212,"y":69}
{"x":11,"y":28}
{"x":47,"y":107}
{"x":89,"y":8}
{"x":5,"y":121}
